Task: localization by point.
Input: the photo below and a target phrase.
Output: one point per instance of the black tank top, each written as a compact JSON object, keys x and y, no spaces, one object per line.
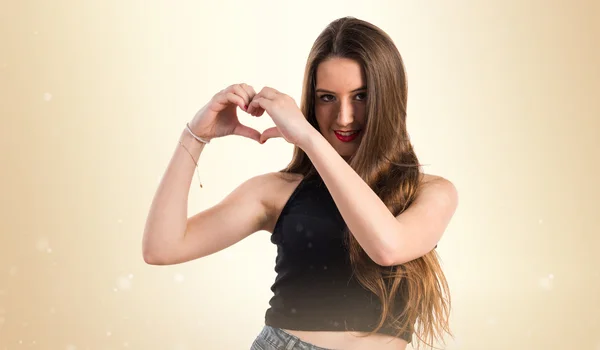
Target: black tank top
{"x":314,"y":289}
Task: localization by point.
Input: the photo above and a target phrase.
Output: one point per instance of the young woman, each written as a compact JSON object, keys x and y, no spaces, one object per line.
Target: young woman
{"x":354,"y":220}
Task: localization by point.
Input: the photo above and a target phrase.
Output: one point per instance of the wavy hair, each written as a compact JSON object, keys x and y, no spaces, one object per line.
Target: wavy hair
{"x":414,"y":296}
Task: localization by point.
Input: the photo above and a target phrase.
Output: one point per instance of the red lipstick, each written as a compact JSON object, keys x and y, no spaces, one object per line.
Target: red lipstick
{"x":346,"y":136}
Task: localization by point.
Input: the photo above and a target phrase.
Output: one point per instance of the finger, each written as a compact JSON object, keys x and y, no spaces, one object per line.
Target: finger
{"x":268,"y":92}
{"x":226,"y":98}
{"x":269,"y":134}
{"x":252,"y":109}
{"x":270,"y":95}
{"x":250,"y":90}
{"x":240,"y":91}
{"x":245,"y":131}
{"x":255,"y":111}
{"x":261,"y":102}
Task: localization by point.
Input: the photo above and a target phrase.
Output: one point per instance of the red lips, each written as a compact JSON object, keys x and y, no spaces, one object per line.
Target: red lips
{"x":346,"y":136}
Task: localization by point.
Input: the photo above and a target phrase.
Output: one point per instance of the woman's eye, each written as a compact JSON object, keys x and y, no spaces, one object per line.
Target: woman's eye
{"x":326,"y":98}
{"x":330,"y":98}
{"x":361,"y":96}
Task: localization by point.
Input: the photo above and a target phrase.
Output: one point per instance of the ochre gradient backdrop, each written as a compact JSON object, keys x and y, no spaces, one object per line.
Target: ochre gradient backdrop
{"x":503,"y":101}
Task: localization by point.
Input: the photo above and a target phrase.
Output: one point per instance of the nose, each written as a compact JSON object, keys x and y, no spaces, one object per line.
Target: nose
{"x":345,"y":114}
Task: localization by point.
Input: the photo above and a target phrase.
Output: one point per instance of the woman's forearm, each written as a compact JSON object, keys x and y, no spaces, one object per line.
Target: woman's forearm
{"x":167,"y":218}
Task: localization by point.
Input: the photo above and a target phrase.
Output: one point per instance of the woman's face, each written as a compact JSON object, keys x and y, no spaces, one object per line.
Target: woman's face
{"x":340,"y":103}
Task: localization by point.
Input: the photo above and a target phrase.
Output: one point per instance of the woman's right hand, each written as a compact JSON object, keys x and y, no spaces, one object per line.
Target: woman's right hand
{"x":219,"y":118}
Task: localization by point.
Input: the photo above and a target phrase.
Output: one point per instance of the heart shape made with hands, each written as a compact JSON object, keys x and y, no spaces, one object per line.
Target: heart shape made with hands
{"x":290,"y":123}
{"x":258,"y":111}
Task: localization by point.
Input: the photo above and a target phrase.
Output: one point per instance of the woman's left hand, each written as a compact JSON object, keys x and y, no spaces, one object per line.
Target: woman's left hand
{"x":289,"y":121}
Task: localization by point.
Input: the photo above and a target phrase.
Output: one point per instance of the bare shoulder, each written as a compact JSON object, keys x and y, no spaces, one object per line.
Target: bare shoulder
{"x":280,"y":188}
{"x":268,"y":186}
{"x":438,"y":186}
{"x":274,"y":180}
{"x":428,"y":178}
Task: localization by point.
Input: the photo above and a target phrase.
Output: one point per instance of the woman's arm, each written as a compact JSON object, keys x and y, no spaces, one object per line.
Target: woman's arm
{"x":387,"y":239}
{"x":171,"y":238}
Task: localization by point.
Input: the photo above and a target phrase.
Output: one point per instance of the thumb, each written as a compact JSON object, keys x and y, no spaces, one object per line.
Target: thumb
{"x":245,"y":131}
{"x":269,"y":133}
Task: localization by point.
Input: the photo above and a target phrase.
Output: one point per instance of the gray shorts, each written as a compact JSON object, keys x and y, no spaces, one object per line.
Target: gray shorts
{"x":271,"y":338}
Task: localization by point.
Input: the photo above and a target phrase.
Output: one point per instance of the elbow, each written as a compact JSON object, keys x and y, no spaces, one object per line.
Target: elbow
{"x":152,"y":257}
{"x":386,"y":254}
{"x":390,"y":260}
{"x":151,"y":261}
{"x":152,"y":253}
{"x":397,"y":257}
{"x":161,"y":252}
{"x":390,"y":255}
{"x":147,"y":252}
{"x":161,"y":256}
{"x":382,"y":258}
{"x":156,"y":260}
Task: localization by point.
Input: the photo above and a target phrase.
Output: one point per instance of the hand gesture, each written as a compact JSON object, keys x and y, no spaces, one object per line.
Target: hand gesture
{"x":219,"y":118}
{"x":289,"y":121}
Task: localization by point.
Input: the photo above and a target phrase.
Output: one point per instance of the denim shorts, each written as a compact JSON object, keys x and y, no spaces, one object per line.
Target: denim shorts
{"x":271,"y":338}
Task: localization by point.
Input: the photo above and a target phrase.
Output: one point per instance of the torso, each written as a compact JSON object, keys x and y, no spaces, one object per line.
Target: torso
{"x":283,"y":186}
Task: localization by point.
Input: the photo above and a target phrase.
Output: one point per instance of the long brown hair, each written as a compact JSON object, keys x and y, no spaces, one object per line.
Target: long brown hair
{"x":386,"y":161}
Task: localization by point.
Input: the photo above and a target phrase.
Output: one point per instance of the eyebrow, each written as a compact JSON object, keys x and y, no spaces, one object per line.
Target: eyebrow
{"x":331,"y":92}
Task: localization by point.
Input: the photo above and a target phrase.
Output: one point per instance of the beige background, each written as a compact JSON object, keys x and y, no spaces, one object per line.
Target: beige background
{"x":94,"y":95}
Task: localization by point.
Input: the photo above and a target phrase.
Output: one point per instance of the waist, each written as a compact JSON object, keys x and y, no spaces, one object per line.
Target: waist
{"x":336,"y":322}
{"x":340,"y":304}
{"x":349,"y":340}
